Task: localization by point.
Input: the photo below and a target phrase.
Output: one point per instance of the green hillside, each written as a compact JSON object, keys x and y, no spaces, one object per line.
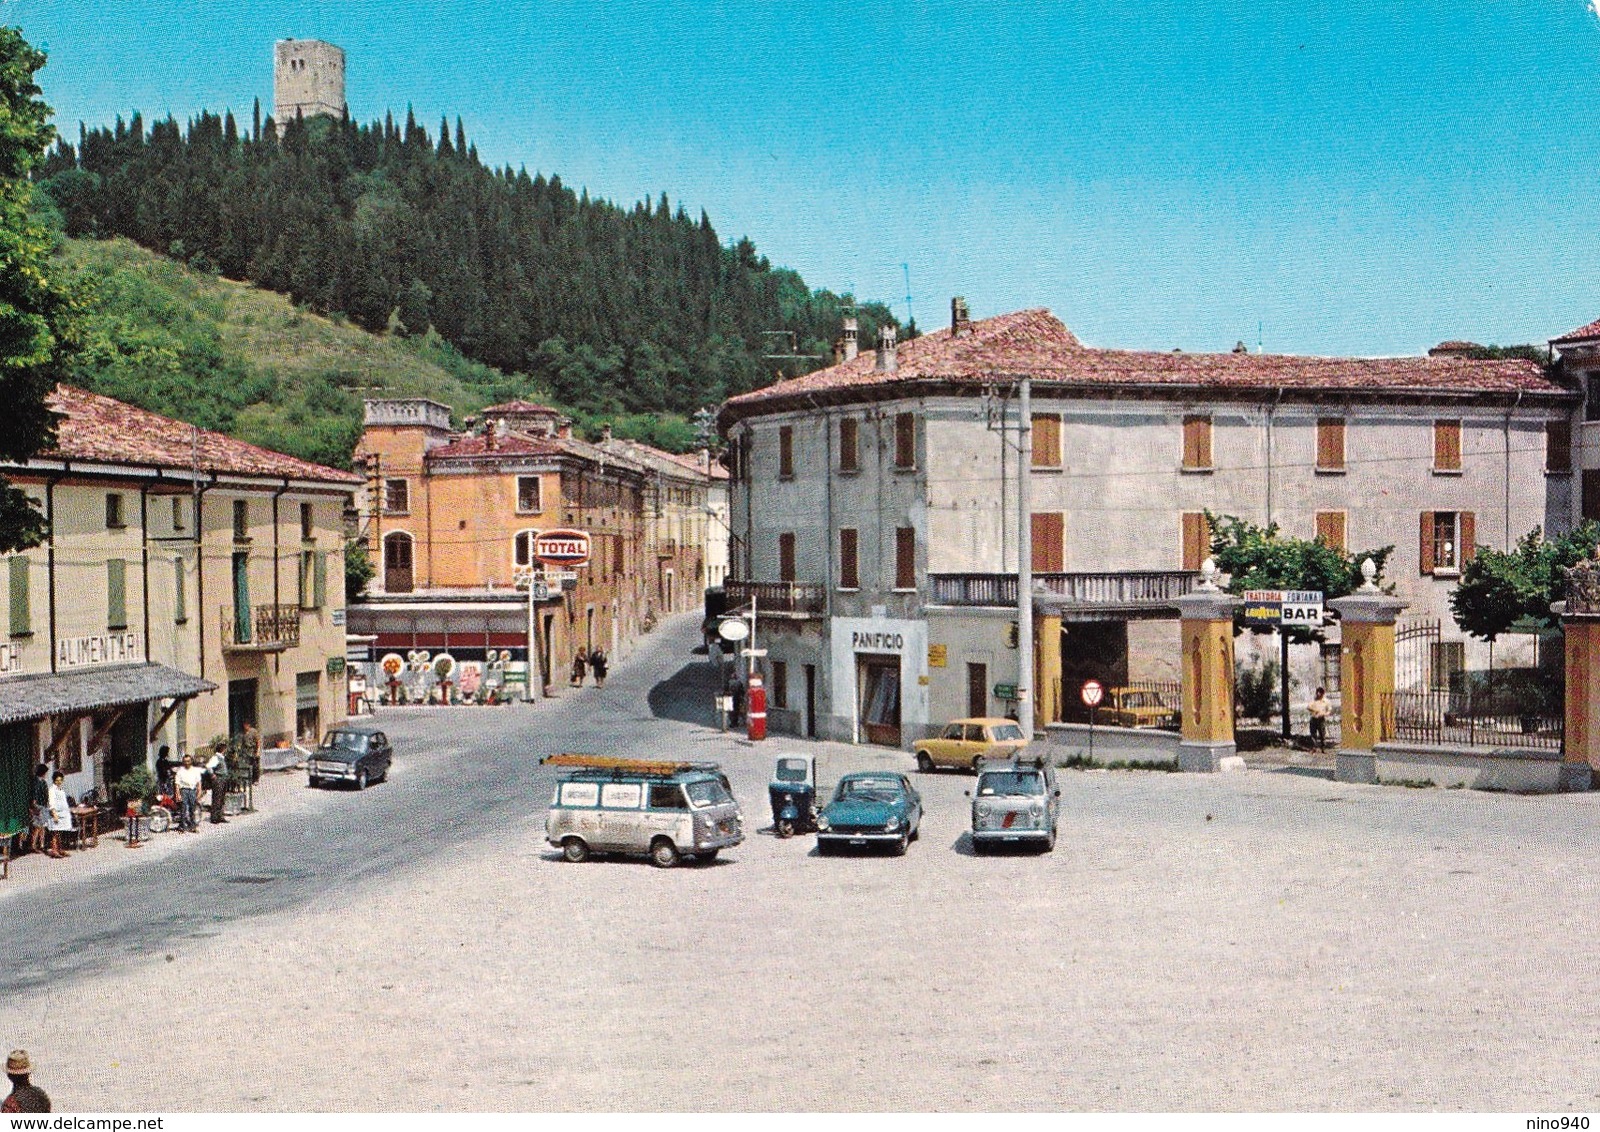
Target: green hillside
{"x":232,"y":357}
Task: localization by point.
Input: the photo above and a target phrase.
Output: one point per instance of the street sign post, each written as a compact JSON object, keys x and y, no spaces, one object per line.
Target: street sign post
{"x":1093,"y":692}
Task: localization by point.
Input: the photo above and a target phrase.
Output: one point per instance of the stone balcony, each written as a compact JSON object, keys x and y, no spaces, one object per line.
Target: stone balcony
{"x":1112,"y":593}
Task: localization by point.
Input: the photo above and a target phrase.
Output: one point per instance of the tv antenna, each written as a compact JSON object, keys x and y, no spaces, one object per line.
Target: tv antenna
{"x":906,"y":267}
{"x":786,"y":340}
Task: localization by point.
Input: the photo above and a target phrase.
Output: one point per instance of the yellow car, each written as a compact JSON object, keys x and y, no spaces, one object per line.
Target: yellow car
{"x":968,"y":742}
{"x":1136,"y":707}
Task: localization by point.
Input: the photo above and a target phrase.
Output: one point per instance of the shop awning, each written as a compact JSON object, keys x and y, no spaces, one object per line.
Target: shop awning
{"x":38,"y":697}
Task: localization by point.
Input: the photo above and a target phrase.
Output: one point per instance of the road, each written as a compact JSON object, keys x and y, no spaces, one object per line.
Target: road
{"x":1263,"y":940}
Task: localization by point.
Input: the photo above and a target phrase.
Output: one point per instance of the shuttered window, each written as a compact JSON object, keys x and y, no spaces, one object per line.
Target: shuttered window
{"x":786,"y":453}
{"x":313,"y":578}
{"x":1197,"y":442}
{"x":905,"y":440}
{"x":849,"y":562}
{"x":1558,"y":446}
{"x":1330,"y":444}
{"x":905,"y":558}
{"x":1196,"y":539}
{"x":319,"y":589}
{"x":1447,"y":541}
{"x":180,"y":596}
{"x":1447,"y":446}
{"x":849,"y":445}
{"x":21,"y":599}
{"x":1046,"y":440}
{"x":116,"y":593}
{"x":786,"y":557}
{"x":1049,"y":542}
{"x":1330,"y":528}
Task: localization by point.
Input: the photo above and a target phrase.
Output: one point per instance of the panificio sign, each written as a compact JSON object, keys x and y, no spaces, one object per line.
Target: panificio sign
{"x":1283,"y":607}
{"x":562,"y":547}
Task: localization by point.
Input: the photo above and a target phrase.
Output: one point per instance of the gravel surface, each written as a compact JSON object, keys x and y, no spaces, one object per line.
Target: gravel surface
{"x":1266,"y":940}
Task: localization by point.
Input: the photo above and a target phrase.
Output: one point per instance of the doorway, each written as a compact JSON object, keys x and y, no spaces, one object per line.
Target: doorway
{"x":398,"y":575}
{"x":878,"y":678}
{"x":242,"y":704}
{"x":16,"y":766}
{"x":129,"y":747}
{"x":811,"y":701}
{"x":1090,"y":650}
{"x":977,"y":690}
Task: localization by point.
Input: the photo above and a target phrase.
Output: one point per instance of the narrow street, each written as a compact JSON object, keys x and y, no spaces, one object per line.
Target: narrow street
{"x":1261,"y":940}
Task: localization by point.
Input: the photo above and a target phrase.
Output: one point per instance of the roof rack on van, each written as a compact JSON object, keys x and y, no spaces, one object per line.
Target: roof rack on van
{"x":619,"y":765}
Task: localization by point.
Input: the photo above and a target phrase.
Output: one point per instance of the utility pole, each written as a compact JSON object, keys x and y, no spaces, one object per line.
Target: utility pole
{"x":1025,"y":687}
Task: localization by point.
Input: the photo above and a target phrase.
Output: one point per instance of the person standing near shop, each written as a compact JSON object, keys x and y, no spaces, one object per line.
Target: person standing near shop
{"x":24,"y":1096}
{"x":217,"y":771}
{"x":60,"y":813}
{"x":598,"y":662}
{"x":39,"y":802}
{"x":1320,"y":708}
{"x":188,"y":778}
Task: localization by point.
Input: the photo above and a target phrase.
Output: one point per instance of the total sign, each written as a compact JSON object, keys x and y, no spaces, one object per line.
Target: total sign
{"x":562,"y":547}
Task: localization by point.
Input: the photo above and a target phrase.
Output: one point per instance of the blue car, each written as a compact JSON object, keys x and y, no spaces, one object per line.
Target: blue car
{"x":871,"y":807}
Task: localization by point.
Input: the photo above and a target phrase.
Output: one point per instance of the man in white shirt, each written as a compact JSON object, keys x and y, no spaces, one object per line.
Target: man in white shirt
{"x":188,"y":778}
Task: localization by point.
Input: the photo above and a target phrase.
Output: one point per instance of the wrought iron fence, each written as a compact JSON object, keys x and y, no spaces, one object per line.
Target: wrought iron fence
{"x":1463,"y":719}
{"x":266,"y":628}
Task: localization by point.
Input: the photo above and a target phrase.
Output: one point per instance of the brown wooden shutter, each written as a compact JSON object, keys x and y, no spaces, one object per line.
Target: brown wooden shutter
{"x":1049,"y":542}
{"x":1331,"y":528}
{"x":1558,"y":446}
{"x":1046,"y":440}
{"x":786,"y":557}
{"x":1467,"y":529}
{"x":786,"y":452}
{"x":1197,"y":441}
{"x":905,"y":558}
{"x":1330,"y":444}
{"x":849,"y":573}
{"x":1425,"y":545}
{"x":905,"y":440}
{"x":1194,"y":540}
{"x":848,"y":459}
{"x":1447,"y":446}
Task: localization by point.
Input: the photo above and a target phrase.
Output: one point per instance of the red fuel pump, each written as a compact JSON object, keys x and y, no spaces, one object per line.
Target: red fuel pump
{"x":756,"y":716}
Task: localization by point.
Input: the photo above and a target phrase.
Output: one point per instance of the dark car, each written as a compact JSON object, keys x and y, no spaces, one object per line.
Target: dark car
{"x":359,"y":757}
{"x":873,"y":807}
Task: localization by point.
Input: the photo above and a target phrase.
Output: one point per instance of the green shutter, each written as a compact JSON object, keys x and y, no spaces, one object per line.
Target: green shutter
{"x":303,"y":579}
{"x":116,"y":593}
{"x":320,"y":590}
{"x":180,"y":611}
{"x":21,"y":606}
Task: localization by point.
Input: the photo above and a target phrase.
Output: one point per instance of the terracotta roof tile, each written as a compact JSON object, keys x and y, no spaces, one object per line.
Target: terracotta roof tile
{"x":469,"y":447}
{"x":93,"y":427}
{"x":1036,"y":343}
{"x":1592,"y":330}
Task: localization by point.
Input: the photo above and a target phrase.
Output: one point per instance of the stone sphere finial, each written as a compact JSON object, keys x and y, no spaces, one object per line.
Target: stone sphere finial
{"x":1369,"y":575}
{"x":1208,"y":574}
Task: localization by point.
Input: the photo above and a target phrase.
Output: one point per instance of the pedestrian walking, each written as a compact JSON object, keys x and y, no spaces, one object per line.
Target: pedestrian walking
{"x":25,"y":1096}
{"x":39,"y":803}
{"x":580,"y":668}
{"x":60,"y":813}
{"x":217,"y":771}
{"x":188,"y":778}
{"x":1320,"y":708}
{"x":598,"y":662}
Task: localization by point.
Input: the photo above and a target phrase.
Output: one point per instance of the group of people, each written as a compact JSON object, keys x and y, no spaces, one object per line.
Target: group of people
{"x":185,"y":781}
{"x":586,"y":661}
{"x":51,"y":810}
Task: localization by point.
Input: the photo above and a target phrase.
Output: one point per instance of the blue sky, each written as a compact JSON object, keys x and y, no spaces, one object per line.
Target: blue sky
{"x":1360,"y":179}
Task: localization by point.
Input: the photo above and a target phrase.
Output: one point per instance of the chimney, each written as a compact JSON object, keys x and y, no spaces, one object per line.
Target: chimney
{"x":960,"y":320}
{"x":887,"y":362}
{"x":564,"y":429}
{"x":1240,"y":348}
{"x":838,"y":350}
{"x":851,"y":346}
{"x":605,"y":434}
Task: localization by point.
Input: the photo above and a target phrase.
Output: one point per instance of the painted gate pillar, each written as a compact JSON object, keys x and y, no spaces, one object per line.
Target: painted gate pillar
{"x":1580,"y":624}
{"x":1206,"y":632}
{"x":1047,"y":673}
{"x":1366,"y":676}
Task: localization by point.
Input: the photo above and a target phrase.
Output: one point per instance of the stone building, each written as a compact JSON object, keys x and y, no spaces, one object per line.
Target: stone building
{"x":307,"y":79}
{"x":451,"y":520}
{"x":190,"y":583}
{"x":875,"y":504}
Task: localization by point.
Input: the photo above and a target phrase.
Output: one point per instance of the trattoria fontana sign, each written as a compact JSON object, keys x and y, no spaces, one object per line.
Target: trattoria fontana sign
{"x":106,"y":648}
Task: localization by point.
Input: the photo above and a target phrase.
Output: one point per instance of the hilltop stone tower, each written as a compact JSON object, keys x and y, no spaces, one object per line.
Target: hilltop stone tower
{"x":307,"y":79}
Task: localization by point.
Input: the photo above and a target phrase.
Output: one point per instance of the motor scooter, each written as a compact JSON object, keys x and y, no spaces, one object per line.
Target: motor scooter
{"x":793,"y":794}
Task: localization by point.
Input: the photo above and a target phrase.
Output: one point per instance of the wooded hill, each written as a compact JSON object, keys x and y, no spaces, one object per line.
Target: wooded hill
{"x":606,"y":310}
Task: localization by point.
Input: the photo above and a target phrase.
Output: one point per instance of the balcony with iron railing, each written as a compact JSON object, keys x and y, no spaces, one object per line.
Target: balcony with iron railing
{"x":1129,"y":590}
{"x":262,"y":628}
{"x":789,"y":599}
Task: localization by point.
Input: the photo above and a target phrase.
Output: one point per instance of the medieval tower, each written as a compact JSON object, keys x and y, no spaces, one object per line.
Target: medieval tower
{"x":307,"y":79}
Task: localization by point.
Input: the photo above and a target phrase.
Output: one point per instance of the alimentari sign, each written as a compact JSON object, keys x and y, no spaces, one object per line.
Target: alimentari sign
{"x":562,"y":547}
{"x":106,"y":648}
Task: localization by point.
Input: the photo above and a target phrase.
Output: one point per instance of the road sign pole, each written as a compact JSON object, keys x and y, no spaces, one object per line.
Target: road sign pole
{"x":533,"y":621}
{"x":1283,"y":676}
{"x":1091,"y":733}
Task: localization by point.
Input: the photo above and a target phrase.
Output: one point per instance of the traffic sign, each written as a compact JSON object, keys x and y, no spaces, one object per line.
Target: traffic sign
{"x":733,"y":629}
{"x":1005,"y":691}
{"x":1092,"y":693}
